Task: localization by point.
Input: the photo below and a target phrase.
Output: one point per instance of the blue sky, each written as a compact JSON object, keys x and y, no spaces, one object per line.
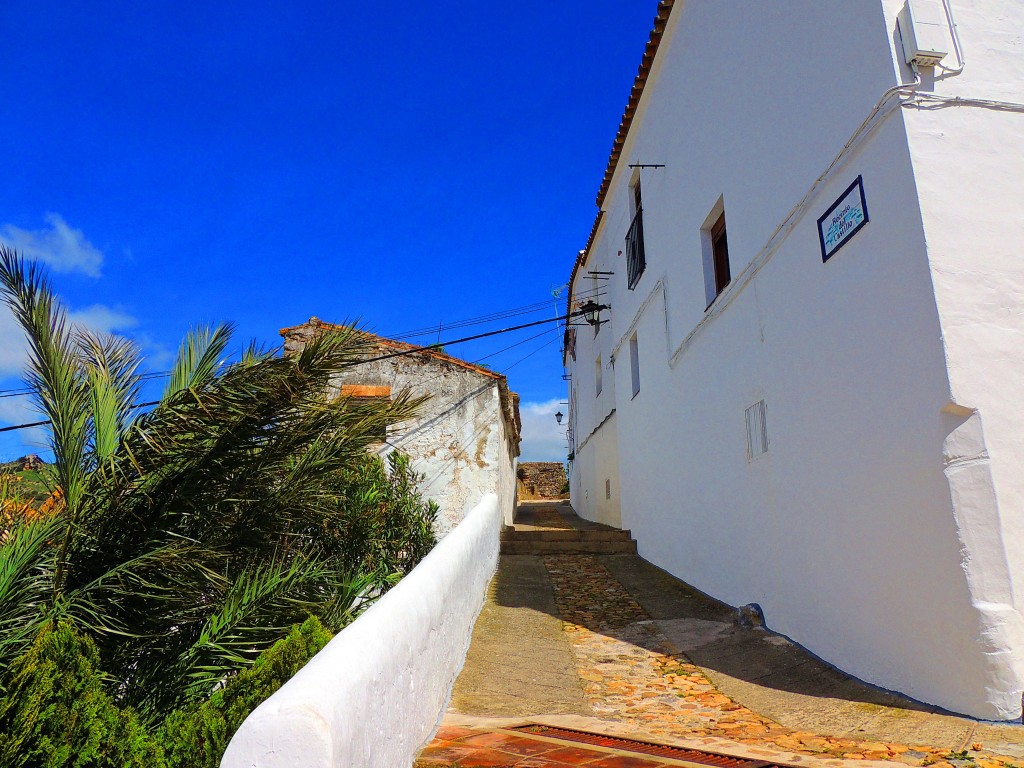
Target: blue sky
{"x":404,"y":164}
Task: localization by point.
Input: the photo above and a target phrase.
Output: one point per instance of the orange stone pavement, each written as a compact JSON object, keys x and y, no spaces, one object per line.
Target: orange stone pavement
{"x":638,"y":685}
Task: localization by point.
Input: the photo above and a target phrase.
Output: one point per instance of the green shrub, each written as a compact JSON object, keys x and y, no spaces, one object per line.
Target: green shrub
{"x":55,"y":711}
{"x":196,"y":736}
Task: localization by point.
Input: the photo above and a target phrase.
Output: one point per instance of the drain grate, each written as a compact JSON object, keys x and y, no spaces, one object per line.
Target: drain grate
{"x":647,"y":748}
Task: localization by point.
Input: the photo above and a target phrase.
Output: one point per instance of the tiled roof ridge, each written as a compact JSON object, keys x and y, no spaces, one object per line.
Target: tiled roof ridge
{"x":401,"y":346}
{"x":646,"y":63}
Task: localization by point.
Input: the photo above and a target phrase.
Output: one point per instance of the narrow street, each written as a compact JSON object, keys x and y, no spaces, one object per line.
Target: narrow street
{"x":580,"y":638}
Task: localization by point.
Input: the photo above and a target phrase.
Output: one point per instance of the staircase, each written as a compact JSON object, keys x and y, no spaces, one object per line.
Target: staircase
{"x":552,"y":528}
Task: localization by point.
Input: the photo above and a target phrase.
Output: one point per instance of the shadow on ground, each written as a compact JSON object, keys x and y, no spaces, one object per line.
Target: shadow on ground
{"x":755,"y":667}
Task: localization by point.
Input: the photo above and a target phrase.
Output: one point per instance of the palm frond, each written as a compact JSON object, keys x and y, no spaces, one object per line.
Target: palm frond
{"x":199,"y":358}
{"x":111,"y":364}
{"x":56,"y":376}
{"x":26,"y":570}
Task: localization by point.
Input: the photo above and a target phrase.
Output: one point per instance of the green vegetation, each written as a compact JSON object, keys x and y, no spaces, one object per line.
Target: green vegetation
{"x":33,"y":485}
{"x":197,"y":736}
{"x":188,"y":539}
{"x":56,"y":711}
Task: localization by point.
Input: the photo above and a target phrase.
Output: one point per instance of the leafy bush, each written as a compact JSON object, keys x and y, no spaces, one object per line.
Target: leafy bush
{"x":381,"y":523}
{"x":56,"y":713}
{"x":196,"y":737}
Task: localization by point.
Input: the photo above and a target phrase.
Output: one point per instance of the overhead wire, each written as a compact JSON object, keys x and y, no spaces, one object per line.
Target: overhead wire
{"x":501,"y":315}
{"x":401,"y":353}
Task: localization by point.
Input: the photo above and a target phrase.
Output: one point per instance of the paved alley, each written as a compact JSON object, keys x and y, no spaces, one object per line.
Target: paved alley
{"x":582,"y":638}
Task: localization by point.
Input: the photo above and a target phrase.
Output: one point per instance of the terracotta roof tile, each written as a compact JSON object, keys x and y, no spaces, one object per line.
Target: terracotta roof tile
{"x":660,"y":22}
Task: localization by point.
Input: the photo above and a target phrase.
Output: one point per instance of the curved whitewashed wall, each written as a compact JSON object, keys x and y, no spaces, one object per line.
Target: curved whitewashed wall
{"x":375,"y":694}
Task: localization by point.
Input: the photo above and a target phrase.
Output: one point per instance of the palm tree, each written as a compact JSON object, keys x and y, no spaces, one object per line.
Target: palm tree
{"x":190,"y":536}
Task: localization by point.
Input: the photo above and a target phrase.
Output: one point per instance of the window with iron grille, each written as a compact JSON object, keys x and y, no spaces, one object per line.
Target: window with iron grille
{"x":636,"y":259}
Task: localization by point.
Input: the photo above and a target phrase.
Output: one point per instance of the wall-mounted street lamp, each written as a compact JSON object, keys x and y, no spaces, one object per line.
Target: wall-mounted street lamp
{"x":591,"y":311}
{"x":558,"y":416}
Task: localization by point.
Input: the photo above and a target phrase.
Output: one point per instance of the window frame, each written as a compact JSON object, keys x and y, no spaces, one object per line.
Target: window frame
{"x":715,"y":253}
{"x":636,"y":253}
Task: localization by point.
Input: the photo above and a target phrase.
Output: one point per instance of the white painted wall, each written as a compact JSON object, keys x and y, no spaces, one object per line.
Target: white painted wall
{"x":376,"y":693}
{"x":592,"y":418}
{"x":969,"y":167}
{"x":848,"y":532}
{"x":597,"y":464}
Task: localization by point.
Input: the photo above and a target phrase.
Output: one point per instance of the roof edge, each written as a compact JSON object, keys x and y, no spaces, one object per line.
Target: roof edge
{"x":401,"y":346}
{"x":646,"y":63}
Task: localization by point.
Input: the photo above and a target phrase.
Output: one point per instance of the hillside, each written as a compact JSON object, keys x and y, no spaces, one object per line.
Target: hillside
{"x":32,"y":478}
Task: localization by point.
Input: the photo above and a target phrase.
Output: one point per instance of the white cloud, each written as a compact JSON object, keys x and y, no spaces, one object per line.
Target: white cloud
{"x":62,"y":247}
{"x":20,"y":410}
{"x":102,"y":319}
{"x":13,"y":346}
{"x":543,"y":437}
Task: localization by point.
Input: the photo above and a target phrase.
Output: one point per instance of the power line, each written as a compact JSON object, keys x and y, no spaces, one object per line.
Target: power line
{"x":402,"y":353}
{"x":500,"y":315}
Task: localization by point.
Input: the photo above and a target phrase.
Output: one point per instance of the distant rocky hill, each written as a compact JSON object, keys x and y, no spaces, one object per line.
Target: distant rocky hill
{"x":32,"y":472}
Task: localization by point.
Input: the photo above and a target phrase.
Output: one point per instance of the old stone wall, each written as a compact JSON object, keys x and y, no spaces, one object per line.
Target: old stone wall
{"x":465,"y":438}
{"x":541,"y":480}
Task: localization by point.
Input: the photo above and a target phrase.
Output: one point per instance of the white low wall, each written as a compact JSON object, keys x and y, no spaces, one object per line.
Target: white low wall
{"x":375,"y":694}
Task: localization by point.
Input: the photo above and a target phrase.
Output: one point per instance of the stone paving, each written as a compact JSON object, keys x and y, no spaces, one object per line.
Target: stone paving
{"x":632,"y":672}
{"x":632,"y":681}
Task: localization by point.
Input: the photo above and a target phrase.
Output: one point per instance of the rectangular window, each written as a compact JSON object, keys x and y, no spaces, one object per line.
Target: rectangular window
{"x":757,"y":430}
{"x":634,"y":364}
{"x":715,"y":244}
{"x":636,"y":259}
{"x":597,"y":374}
{"x":607,"y":488}
{"x":367,"y":392}
{"x":720,"y":249}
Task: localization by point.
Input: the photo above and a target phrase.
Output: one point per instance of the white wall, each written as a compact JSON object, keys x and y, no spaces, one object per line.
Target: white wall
{"x":597,"y":463}
{"x":376,"y":693}
{"x":844,"y":532}
{"x":969,"y":166}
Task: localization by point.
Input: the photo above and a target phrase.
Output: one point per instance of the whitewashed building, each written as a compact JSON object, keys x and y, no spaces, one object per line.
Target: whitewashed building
{"x":808,"y":392}
{"x":465,"y":439}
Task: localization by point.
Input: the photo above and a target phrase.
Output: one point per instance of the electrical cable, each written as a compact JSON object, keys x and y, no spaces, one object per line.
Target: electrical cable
{"x":402,"y":353}
{"x":503,"y":314}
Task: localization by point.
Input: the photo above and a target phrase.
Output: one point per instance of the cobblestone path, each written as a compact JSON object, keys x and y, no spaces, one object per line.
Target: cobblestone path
{"x":632,"y":673}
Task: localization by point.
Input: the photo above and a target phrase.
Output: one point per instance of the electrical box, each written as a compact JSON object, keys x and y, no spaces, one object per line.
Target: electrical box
{"x":924,"y":29}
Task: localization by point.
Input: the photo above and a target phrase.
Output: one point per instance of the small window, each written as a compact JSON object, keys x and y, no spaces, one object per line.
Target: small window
{"x":634,"y":364}
{"x":715,"y":244}
{"x":597,"y":374}
{"x":757,"y":430}
{"x":720,"y":249}
{"x":636,"y":258}
{"x":607,"y":488}
{"x":367,"y":392}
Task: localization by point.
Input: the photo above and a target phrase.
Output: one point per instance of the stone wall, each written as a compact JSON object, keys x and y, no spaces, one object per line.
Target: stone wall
{"x":541,"y":480}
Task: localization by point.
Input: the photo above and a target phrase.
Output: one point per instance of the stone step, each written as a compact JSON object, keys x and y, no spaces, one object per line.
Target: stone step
{"x":568,"y":547}
{"x":511,"y":534}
